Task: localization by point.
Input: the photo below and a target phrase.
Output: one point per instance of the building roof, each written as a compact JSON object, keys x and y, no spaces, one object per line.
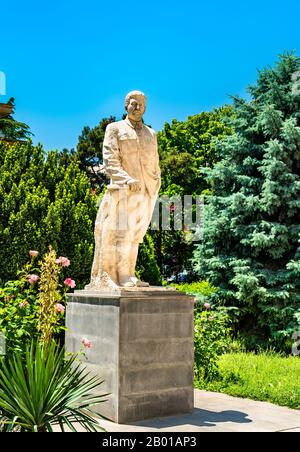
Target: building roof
{"x":5,"y":110}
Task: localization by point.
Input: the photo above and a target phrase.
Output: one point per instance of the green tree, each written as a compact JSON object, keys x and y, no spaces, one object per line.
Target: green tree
{"x":147,"y":268}
{"x":186,"y":148}
{"x":42,"y":203}
{"x":251,"y":247}
{"x":89,"y":151}
{"x":12,"y":129}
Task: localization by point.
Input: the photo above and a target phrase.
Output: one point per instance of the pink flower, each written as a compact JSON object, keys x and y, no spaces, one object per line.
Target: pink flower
{"x":86,"y":342}
{"x":33,"y":253}
{"x":70,"y":283}
{"x":207,"y":306}
{"x":59,"y":307}
{"x":65,"y":262}
{"x":32,"y":279}
{"x":23,"y":304}
{"x":57,"y":261}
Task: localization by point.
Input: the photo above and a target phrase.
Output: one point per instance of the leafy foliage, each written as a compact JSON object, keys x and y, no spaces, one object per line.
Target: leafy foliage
{"x":212,"y":336}
{"x":199,"y":288}
{"x":46,"y":390}
{"x":147,"y":268}
{"x":12,"y":129}
{"x":251,"y":246}
{"x":89,"y":151}
{"x":42,"y":203}
{"x":49,"y":297}
{"x":188,"y":146}
{"x":18,"y":314}
{"x":212,"y":339}
{"x":28,"y":305}
{"x":186,"y":149}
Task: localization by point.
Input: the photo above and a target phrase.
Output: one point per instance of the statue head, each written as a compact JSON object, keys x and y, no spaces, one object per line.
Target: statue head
{"x":135,"y":105}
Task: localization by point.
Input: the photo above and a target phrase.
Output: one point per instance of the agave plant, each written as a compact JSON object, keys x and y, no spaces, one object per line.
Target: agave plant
{"x":44,"y":389}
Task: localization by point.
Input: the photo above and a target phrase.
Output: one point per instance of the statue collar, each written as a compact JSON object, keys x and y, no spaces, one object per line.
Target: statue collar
{"x":127,"y":120}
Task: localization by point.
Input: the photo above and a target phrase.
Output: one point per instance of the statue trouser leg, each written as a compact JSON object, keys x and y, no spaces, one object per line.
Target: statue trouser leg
{"x":143,"y":214}
{"x":123,"y":263}
{"x":133,"y":258}
{"x":100,"y":240}
{"x":134,"y":254}
{"x":138,"y":208}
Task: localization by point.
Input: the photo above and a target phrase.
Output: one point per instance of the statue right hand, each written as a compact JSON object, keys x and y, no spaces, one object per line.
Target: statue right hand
{"x":134,"y":185}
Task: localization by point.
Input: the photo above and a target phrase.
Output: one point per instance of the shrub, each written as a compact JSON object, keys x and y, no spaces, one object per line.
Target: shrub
{"x":33,"y":305}
{"x":212,"y":339}
{"x":147,"y":268}
{"x":44,"y":201}
{"x":44,"y":390}
{"x":212,"y":329}
{"x":202,"y":290}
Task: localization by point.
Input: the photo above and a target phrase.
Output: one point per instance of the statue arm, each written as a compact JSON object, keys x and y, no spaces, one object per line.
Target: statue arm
{"x":111,"y":157}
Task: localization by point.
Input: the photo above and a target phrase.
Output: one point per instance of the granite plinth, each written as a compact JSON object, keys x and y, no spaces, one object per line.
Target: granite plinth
{"x":142,"y":347}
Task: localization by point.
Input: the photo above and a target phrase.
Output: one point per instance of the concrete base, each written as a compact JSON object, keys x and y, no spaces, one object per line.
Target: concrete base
{"x":142,"y":347}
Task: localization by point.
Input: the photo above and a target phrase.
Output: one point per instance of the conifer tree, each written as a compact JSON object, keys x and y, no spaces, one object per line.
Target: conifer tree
{"x":89,"y":151}
{"x":251,"y":241}
{"x":42,"y":203}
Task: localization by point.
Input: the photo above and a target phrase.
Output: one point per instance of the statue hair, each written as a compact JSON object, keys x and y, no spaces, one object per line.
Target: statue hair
{"x":131,"y":95}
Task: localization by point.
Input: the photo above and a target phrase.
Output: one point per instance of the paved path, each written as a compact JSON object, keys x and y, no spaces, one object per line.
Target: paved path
{"x":216,"y":412}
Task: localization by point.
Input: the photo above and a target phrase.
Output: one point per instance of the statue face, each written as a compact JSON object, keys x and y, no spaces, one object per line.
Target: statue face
{"x":136,"y":108}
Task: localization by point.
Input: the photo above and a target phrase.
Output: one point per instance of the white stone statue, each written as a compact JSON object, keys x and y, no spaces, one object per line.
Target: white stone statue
{"x":131,"y":160}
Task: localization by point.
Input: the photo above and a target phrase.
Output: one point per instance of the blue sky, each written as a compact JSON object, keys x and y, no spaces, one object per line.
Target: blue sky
{"x":69,"y":63}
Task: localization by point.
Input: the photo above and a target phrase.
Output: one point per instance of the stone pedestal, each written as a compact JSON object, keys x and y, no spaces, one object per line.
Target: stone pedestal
{"x":142,"y":347}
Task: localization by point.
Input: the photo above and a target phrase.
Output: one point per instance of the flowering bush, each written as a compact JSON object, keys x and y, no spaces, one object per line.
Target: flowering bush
{"x":70,"y":283}
{"x":33,"y":305}
{"x":86,"y":342}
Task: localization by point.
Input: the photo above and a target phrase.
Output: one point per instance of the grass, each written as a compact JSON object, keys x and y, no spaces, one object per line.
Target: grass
{"x":265,"y":377}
